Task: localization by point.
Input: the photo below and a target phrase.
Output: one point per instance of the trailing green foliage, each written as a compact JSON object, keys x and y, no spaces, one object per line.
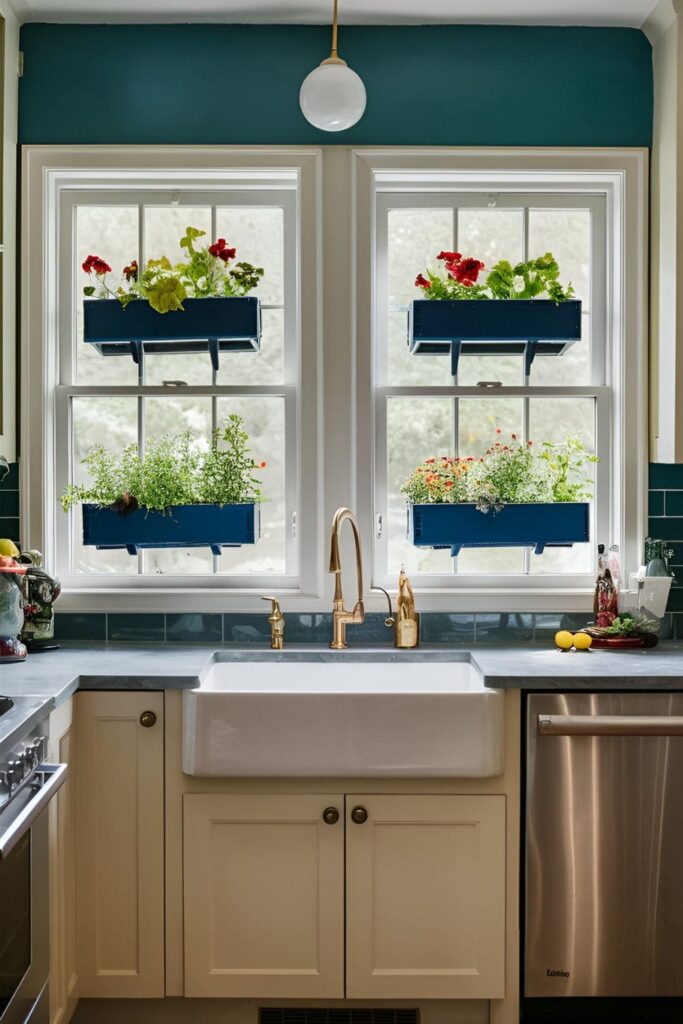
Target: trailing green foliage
{"x":529,"y":280}
{"x":172,"y":471}
{"x":206,"y":272}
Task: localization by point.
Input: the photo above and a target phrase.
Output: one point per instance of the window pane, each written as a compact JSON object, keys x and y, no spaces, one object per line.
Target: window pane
{"x":567,"y":234}
{"x":112,"y":233}
{"x":263,"y":367}
{"x":169,"y":416}
{"x":264,"y":420}
{"x":573,"y":367}
{"x":479,"y":419}
{"x":417,"y":428}
{"x":415,"y":238}
{"x":551,"y":419}
{"x":111,"y":422}
{"x":258,"y":235}
{"x":491,"y":235}
{"x":166,"y":225}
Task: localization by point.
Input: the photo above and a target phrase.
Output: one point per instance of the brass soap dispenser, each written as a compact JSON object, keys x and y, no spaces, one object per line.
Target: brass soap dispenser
{"x":406,"y":621}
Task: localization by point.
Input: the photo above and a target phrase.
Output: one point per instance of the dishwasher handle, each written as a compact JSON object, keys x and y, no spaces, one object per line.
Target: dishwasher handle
{"x":610,"y":725}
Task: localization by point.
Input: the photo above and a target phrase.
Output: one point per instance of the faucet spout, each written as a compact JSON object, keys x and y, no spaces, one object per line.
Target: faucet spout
{"x":340,"y":616}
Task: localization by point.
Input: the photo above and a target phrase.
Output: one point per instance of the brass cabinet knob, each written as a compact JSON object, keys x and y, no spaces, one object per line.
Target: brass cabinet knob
{"x":148,"y":719}
{"x":359,"y":815}
{"x":330,"y":815}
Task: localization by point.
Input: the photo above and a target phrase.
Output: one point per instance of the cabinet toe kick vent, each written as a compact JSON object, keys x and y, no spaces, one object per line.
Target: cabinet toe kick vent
{"x":335,"y":1015}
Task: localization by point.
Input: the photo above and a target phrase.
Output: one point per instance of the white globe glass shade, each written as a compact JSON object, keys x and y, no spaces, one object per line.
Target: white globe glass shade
{"x":332,"y":97}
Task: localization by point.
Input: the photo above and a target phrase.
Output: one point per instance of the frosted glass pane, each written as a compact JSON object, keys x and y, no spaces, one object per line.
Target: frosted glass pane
{"x":263,"y":367}
{"x":415,"y":238}
{"x":551,"y":420}
{"x":258,"y":235}
{"x":479,"y":419}
{"x":417,"y":428}
{"x":166,"y":225}
{"x":509,"y":370}
{"x":112,"y":233}
{"x":264,"y":420}
{"x":165,"y":416}
{"x":491,"y":235}
{"x":571,"y":368}
{"x":567,"y":235}
{"x":111,"y":422}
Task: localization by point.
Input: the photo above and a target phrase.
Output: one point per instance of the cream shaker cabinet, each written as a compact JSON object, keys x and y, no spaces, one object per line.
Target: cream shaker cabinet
{"x":425,"y":903}
{"x":407,"y":893}
{"x":120,"y":843}
{"x":264,"y":895}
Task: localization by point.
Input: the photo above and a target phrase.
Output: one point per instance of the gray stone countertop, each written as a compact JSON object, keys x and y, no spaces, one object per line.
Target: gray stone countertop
{"x":57,"y":674}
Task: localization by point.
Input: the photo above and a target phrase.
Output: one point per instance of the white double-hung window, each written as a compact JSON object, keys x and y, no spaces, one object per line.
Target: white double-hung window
{"x":592,"y":391}
{"x":93,"y":399}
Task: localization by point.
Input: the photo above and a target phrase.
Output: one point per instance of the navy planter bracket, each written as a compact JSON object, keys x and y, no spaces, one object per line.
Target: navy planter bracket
{"x":529,"y":327}
{"x":204,"y":325}
{"x":462,"y":525}
{"x":182,"y":526}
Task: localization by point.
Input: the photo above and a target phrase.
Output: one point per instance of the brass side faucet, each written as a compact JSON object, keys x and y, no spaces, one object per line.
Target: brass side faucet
{"x":340,"y":616}
{"x":277,"y":625}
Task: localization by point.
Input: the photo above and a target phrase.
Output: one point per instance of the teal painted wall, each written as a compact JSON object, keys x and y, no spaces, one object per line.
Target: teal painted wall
{"x":427,"y":85}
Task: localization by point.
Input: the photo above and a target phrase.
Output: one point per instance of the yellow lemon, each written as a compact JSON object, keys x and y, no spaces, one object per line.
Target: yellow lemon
{"x":582,"y":641}
{"x":9,"y":548}
{"x":564,"y":639}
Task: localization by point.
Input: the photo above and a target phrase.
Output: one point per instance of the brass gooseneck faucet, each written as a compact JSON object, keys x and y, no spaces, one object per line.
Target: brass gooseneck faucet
{"x":340,"y":616}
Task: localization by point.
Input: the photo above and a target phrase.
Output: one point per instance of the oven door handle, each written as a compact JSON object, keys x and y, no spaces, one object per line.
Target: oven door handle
{"x":55,"y":777}
{"x":610,"y":725}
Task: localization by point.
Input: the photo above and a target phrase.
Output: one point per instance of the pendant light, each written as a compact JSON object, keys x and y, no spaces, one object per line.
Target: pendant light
{"x":332,"y":96}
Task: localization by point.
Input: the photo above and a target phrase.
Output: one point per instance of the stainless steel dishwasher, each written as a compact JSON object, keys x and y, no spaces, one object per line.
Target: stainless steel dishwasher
{"x":603,"y":916}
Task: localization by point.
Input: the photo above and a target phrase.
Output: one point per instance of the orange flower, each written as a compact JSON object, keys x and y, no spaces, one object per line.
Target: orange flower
{"x":263,"y":465}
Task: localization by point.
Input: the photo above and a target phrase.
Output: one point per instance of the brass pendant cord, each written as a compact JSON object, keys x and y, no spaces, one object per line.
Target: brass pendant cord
{"x":334,"y":57}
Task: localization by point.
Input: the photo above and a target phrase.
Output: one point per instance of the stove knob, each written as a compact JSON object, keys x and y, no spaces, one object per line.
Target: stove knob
{"x":39,"y":747}
{"x":14,"y":773}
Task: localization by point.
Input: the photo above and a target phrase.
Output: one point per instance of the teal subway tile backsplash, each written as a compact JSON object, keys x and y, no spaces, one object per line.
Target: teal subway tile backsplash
{"x":195,"y":627}
{"x":137,"y":628}
{"x":80,"y":628}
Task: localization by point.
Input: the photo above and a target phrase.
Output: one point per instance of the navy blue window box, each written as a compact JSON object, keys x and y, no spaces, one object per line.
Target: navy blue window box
{"x":204,"y":325}
{"x":181,"y":526}
{"x":528,"y":327}
{"x":462,"y":525}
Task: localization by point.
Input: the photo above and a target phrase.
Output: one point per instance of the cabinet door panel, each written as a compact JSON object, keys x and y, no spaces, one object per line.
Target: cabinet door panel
{"x":120,"y":845}
{"x":426,"y":897}
{"x":263,"y":896}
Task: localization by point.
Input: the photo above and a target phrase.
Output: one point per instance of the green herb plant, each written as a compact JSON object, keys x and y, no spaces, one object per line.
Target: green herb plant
{"x":172,"y":470}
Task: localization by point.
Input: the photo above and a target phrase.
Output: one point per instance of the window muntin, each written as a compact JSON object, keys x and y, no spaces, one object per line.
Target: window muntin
{"x":105,"y":399}
{"x":421,"y":411}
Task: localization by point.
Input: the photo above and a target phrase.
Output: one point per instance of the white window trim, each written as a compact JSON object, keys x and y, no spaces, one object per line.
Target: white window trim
{"x":48,"y":172}
{"x":622,"y":176}
{"x":336,"y":226}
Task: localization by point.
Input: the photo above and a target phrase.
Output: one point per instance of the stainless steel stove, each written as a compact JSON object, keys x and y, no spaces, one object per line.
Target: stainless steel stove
{"x":27,"y":784}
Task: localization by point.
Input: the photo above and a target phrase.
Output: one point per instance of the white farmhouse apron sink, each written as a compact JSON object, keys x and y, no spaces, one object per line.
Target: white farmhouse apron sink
{"x":369,"y":714}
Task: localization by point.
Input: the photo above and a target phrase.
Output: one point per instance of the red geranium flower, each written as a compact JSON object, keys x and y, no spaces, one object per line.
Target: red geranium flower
{"x":466,"y":271}
{"x":422,"y":282}
{"x":96,"y":265}
{"x":131,"y":271}
{"x":449,"y":257}
{"x":222,"y":251}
